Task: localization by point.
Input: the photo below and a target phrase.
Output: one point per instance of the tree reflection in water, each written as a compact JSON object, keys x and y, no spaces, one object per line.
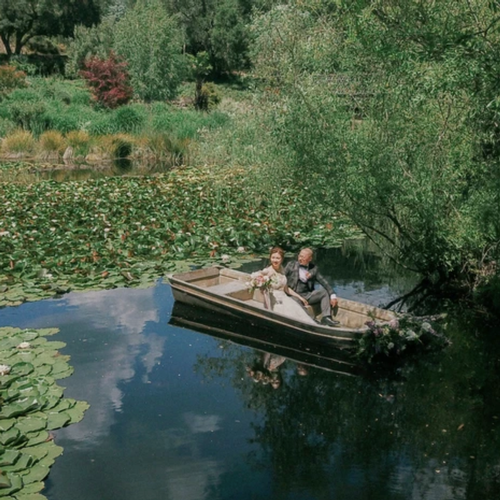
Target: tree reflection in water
{"x":431,"y":431}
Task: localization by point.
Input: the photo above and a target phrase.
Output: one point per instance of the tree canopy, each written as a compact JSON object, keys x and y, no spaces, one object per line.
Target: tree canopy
{"x":21,"y":20}
{"x":389,"y":111}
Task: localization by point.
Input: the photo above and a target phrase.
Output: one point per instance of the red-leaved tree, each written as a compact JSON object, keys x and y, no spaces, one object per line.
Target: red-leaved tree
{"x":108,"y":80}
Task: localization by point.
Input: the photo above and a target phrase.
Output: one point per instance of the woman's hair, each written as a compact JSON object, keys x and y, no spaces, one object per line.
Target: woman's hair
{"x":277,"y":250}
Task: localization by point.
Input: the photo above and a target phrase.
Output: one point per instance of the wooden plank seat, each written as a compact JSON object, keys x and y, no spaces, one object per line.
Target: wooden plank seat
{"x":228,"y":288}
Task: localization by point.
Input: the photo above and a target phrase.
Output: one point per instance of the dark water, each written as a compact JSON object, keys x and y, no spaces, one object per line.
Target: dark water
{"x":81,"y":172}
{"x":176,"y":414}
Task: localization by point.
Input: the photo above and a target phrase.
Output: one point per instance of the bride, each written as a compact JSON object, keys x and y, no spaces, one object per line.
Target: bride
{"x":281,"y":296}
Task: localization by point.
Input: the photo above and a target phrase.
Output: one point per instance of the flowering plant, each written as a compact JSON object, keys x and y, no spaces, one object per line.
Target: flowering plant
{"x":398,"y":337}
{"x":259,"y":281}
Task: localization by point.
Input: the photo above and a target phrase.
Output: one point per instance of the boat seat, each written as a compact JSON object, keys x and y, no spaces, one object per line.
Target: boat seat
{"x":228,"y":288}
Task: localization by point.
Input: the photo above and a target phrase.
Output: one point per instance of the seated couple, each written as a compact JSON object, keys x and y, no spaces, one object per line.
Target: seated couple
{"x":293,"y":287}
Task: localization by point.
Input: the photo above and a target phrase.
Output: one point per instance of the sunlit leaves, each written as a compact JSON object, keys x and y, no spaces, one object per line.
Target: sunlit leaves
{"x":31,"y":404}
{"x":116,"y":232}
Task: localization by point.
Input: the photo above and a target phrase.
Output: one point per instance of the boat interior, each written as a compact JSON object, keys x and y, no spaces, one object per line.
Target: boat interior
{"x":232,"y":283}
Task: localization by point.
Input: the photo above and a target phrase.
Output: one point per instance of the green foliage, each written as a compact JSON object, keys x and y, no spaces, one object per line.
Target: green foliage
{"x":22,"y":20}
{"x":10,"y":79}
{"x":378,"y":107}
{"x":150,"y":41}
{"x":121,"y":231}
{"x":218,"y":28}
{"x":129,"y":119}
{"x":400,"y":338}
{"x":29,"y":115}
{"x":87,"y":42}
{"x":31,"y":405}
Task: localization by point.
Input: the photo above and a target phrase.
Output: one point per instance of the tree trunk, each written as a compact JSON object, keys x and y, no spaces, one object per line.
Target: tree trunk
{"x":6,"y":43}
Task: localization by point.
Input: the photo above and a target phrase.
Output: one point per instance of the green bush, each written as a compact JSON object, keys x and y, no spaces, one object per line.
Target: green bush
{"x":129,"y":119}
{"x":10,"y":79}
{"x":29,"y":115}
{"x":151,"y":42}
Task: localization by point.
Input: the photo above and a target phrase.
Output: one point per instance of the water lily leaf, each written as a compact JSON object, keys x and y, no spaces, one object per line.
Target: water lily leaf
{"x":48,"y":331}
{"x":53,"y":452}
{"x":56,"y":345}
{"x":23,"y":368}
{"x":31,"y":424}
{"x":50,"y":402}
{"x":4,"y":481}
{"x":37,"y":472}
{"x":57,"y":420}
{"x":35,"y":438}
{"x":77,"y":412}
{"x":16,"y":483}
{"x":10,"y":437}
{"x":30,"y":496}
{"x":38,"y":451}
{"x":23,"y":463}
{"x":28,"y":335}
{"x":31,"y":489}
{"x":9,"y":457}
{"x":6,"y":424}
{"x":19,"y":408}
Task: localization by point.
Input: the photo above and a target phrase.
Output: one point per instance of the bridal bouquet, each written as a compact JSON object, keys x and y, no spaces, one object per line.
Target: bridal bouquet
{"x":260,"y":282}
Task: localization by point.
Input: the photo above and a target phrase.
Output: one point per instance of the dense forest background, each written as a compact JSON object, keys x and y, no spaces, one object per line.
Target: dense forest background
{"x":385,"y":110}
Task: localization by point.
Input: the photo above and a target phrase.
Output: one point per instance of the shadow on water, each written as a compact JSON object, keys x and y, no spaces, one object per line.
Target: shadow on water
{"x":81,"y":172}
{"x":180,"y":413}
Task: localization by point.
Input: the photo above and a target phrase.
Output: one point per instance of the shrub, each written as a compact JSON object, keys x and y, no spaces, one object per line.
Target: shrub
{"x":10,"y":79}
{"x":108,"y":80}
{"x":29,"y":115}
{"x":116,"y":146}
{"x":151,"y":41}
{"x":164,"y":147}
{"x":129,"y":119}
{"x":6,"y":126}
{"x":80,"y":141}
{"x":52,"y":141}
{"x":89,"y":42}
{"x":19,"y":141}
{"x":208,"y":98}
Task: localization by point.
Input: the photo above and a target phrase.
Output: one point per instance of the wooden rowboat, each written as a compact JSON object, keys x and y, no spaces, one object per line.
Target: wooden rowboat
{"x":225,"y":291}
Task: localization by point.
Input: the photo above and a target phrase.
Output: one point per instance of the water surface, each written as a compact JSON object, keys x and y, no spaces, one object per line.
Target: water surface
{"x":177,"y":414}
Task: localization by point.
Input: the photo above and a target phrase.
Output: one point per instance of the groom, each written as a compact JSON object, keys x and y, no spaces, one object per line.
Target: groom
{"x":301,"y":276}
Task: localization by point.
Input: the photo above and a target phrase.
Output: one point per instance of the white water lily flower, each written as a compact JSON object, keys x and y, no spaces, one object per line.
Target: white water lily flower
{"x":4,"y":369}
{"x":24,"y":345}
{"x":4,"y":233}
{"x":225,"y":258}
{"x":240,"y":249}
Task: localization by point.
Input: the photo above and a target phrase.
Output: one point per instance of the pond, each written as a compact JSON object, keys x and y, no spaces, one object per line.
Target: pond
{"x":178,"y":414}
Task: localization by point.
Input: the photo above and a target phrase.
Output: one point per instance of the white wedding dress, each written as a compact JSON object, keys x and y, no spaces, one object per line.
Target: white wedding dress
{"x":282,"y":303}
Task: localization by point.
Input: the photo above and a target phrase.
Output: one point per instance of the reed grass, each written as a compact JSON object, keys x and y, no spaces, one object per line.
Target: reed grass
{"x":18,"y":142}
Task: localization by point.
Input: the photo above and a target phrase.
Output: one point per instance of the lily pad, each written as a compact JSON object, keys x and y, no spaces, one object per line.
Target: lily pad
{"x":57,"y":420}
{"x":16,"y":483}
{"x":31,"y":424}
{"x":9,"y":457}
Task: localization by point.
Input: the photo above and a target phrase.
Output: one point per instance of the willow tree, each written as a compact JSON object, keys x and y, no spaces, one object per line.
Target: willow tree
{"x":389,"y":111}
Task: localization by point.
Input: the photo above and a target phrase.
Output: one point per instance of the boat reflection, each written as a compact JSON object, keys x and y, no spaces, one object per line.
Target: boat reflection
{"x":274,"y":348}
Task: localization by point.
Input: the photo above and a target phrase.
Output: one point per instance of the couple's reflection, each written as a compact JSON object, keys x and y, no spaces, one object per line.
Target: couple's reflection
{"x":266,"y":369}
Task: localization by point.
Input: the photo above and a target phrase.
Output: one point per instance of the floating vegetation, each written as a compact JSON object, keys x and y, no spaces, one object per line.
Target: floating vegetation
{"x":31,"y":405}
{"x":114,"y":232}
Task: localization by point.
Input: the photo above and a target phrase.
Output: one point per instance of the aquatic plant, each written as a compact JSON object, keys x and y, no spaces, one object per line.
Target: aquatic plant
{"x":31,"y":406}
{"x":129,"y":231}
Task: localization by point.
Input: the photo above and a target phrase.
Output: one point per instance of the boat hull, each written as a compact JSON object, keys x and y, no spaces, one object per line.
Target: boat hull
{"x":224,"y":291}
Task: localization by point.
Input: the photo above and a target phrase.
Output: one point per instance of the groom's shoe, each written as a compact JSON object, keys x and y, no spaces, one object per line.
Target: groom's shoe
{"x":329,"y":322}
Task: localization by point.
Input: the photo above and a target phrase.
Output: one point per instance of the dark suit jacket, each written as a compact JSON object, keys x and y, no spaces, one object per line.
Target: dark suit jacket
{"x":292,"y":277}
